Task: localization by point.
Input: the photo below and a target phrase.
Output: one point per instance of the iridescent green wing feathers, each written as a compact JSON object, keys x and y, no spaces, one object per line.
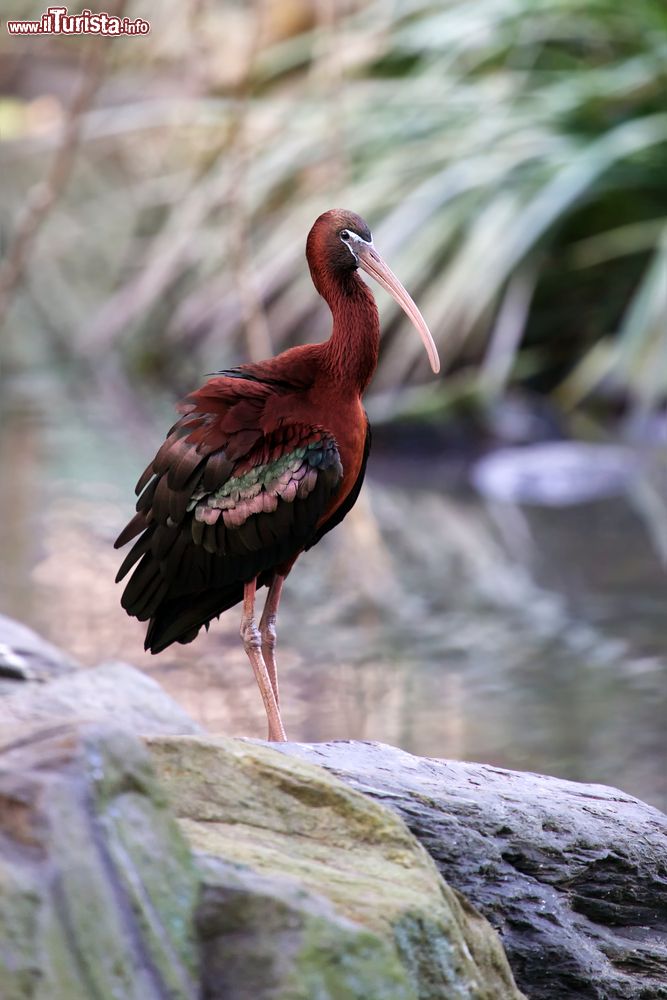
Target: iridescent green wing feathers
{"x":288,"y":472}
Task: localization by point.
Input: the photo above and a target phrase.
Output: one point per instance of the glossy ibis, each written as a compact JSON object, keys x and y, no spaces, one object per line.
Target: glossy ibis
{"x":265,"y":459}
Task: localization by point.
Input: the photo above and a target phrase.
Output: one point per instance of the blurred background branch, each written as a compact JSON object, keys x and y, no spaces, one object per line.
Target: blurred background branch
{"x":44,"y":193}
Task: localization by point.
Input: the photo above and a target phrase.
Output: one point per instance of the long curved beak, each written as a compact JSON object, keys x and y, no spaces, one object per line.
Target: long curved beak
{"x":371,"y":262}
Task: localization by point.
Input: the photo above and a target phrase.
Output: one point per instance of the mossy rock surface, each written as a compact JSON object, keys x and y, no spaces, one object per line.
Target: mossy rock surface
{"x":357,"y":862}
{"x":98,"y":887}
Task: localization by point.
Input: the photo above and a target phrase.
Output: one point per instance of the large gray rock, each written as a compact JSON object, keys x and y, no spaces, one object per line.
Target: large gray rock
{"x":306,"y":889}
{"x":573,"y":876}
{"x":379,"y":895}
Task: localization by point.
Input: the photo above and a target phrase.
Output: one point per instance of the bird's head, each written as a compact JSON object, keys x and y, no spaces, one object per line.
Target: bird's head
{"x":339,"y":243}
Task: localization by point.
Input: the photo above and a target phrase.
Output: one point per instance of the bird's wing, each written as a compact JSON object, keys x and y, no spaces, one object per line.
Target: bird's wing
{"x":225,"y":500}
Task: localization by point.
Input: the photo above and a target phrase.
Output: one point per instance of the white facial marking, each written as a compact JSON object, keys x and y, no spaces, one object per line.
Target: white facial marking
{"x":355,"y":239}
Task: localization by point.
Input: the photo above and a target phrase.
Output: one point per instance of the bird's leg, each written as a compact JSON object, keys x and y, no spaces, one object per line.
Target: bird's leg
{"x":252,"y":643}
{"x":267,"y":628}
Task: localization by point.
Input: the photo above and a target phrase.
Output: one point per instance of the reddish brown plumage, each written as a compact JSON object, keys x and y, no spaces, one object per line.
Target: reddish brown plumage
{"x":255,"y":417}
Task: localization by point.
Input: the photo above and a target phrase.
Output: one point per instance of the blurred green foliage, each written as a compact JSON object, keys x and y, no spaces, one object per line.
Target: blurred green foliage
{"x":510,"y":155}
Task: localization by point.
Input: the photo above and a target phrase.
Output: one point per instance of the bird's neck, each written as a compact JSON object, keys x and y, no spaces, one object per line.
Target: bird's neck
{"x":351,"y":353}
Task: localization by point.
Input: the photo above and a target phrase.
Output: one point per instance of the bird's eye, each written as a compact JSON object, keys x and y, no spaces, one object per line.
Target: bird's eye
{"x":345,"y":234}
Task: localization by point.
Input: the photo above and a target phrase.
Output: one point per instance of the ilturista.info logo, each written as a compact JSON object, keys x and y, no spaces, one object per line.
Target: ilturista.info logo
{"x":58,"y":21}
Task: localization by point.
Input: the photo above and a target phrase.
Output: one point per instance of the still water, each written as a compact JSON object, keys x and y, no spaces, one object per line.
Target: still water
{"x":529,"y":637}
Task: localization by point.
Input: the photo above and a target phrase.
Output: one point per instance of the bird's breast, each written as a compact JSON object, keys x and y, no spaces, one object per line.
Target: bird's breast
{"x":339,"y":412}
{"x":347,"y":422}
